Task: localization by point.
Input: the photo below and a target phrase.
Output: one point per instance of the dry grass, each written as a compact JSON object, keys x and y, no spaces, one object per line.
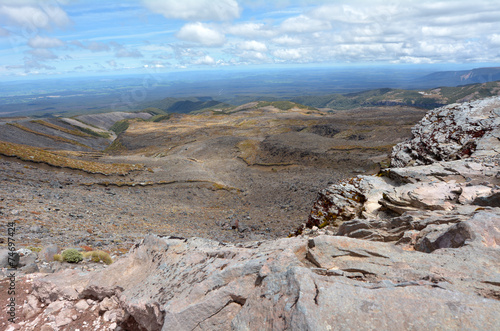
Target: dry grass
{"x":58,"y":257}
{"x":55,"y":138}
{"x":212,"y":185}
{"x":248,"y":150}
{"x":39,"y":155}
{"x":97,"y":256}
{"x":60,"y":128}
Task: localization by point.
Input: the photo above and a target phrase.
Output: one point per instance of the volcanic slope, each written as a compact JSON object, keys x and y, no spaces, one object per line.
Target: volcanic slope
{"x":247,"y":173}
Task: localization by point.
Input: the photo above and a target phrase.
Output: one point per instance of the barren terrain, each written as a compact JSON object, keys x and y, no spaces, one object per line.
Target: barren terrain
{"x":246,"y":175}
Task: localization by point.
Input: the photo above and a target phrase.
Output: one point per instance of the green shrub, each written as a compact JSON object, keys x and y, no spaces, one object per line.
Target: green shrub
{"x":72,"y":255}
{"x":120,"y":126}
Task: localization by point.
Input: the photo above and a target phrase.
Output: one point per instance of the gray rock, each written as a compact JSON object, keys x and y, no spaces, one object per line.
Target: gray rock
{"x":491,"y":201}
{"x":27,"y":259}
{"x":356,"y":197}
{"x":31,"y":307}
{"x":452,"y":132}
{"x":48,"y":252}
{"x":443,"y":236}
{"x":82,"y":305}
{"x":300,"y":284}
{"x":8,"y":259}
{"x":66,"y":284}
{"x":30,"y":268}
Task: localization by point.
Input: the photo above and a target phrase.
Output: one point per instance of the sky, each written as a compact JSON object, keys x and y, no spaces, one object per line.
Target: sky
{"x":40,"y":38}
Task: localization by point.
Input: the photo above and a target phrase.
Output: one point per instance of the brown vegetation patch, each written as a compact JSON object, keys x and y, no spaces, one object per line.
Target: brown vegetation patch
{"x":55,"y":138}
{"x":60,"y":128}
{"x":39,"y":155}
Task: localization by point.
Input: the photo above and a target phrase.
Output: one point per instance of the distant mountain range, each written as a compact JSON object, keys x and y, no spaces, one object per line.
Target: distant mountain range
{"x":425,"y":98}
{"x":337,"y":88}
{"x":463,"y":77}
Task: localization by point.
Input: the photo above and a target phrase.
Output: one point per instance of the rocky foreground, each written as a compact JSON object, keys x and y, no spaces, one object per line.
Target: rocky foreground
{"x":416,"y":247}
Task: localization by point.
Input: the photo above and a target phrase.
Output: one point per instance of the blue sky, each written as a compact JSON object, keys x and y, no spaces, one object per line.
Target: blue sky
{"x":88,"y":37}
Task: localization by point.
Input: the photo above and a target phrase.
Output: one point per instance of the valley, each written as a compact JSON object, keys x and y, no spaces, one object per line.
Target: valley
{"x":247,"y":173}
{"x":197,"y":166}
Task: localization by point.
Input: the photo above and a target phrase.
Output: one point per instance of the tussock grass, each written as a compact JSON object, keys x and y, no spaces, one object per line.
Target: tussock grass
{"x":58,"y":257}
{"x":116,"y":146}
{"x":39,"y":155}
{"x":283,"y":105}
{"x":248,"y":150}
{"x":55,"y":138}
{"x":100,"y":134}
{"x":60,"y":128}
{"x":98,"y":256}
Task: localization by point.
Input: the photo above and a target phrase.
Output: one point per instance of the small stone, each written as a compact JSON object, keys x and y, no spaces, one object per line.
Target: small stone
{"x":82,"y":305}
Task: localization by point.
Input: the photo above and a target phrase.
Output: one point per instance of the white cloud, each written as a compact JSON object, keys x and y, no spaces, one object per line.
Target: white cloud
{"x":494,"y":39}
{"x":303,"y":24}
{"x":181,"y":52}
{"x":41,"y":16}
{"x":283,"y":31}
{"x":123,"y":52}
{"x":253,"y":46}
{"x":95,"y":46}
{"x":438,"y":31}
{"x":31,"y":65}
{"x":44,"y":42}
{"x":253,"y":57}
{"x":195,"y":10}
{"x":289,"y":54}
{"x":206,"y":60}
{"x":359,"y":13}
{"x":42,"y":54}
{"x":200,"y":33}
{"x":414,"y":60}
{"x":287,"y":40}
{"x":251,"y":30}
{"x":155,"y":64}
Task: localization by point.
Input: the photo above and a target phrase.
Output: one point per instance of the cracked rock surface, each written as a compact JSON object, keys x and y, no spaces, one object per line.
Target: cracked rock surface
{"x":295,"y":283}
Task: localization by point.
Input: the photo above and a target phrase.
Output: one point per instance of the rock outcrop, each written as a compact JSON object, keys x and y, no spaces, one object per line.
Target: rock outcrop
{"x":321,"y":283}
{"x":414,"y":248}
{"x":444,"y":188}
{"x":453,"y":132}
